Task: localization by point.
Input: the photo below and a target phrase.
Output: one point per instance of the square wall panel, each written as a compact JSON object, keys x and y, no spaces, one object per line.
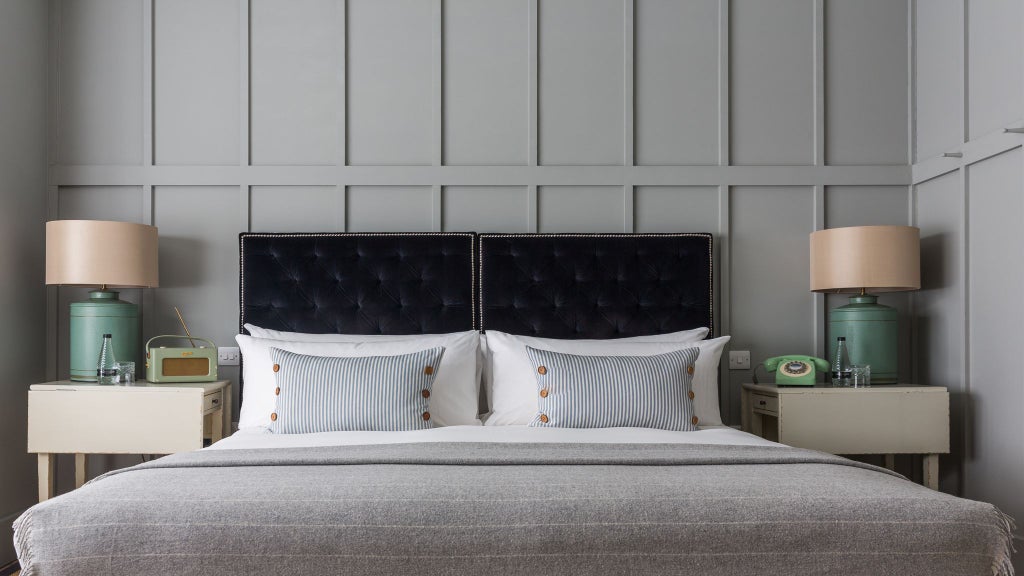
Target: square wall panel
{"x":676,"y":208}
{"x":580,"y":209}
{"x":390,"y":71}
{"x":485,"y":209}
{"x":296,"y":209}
{"x":389,"y":209}
{"x":100,"y":82}
{"x":580,"y":97}
{"x":771,"y":81}
{"x":995,"y":67}
{"x":676,"y":69}
{"x":295,"y":75}
{"x":196,"y":82}
{"x":485,"y":82}
{"x":938,"y":71}
{"x":865,"y":82}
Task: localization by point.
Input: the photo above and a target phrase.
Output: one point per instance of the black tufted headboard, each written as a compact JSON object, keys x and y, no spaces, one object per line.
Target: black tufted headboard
{"x":595,"y":285}
{"x":382,"y":283}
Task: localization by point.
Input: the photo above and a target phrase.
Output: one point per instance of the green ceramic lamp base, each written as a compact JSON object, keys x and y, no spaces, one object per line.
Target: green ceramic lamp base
{"x":103,"y":313}
{"x":872,"y":335}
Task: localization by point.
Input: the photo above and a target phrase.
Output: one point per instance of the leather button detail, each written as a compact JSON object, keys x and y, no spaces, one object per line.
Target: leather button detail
{"x":544,"y":393}
{"x":277,"y":391}
{"x":273,"y":416}
{"x":694,"y":420}
{"x":277,"y":367}
{"x":689,"y":369}
{"x":426,"y":416}
{"x":542,"y":370}
{"x":543,"y":418}
{"x":428,"y":370}
{"x":425,"y":393}
{"x":690,"y":394}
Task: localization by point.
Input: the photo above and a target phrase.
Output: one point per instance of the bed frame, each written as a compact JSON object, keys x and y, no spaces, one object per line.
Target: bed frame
{"x":547,"y":285}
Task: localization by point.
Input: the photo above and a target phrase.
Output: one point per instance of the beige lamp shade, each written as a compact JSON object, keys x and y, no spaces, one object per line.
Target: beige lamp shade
{"x":866,"y":258}
{"x":100,"y":253}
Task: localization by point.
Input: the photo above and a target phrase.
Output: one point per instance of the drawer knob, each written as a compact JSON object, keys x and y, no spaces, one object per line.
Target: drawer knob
{"x":761,"y":402}
{"x":216,"y":400}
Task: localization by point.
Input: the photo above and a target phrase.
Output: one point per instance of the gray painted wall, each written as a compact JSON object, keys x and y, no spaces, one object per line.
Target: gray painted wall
{"x":756,"y":120}
{"x":23,"y":42}
{"x":970,"y":208}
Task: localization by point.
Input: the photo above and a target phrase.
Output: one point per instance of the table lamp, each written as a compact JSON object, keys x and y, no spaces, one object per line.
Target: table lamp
{"x":864,"y":260}
{"x":107,"y":255}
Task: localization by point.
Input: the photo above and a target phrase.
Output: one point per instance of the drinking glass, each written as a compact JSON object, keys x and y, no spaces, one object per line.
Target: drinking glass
{"x":125,"y":373}
{"x":860,"y":376}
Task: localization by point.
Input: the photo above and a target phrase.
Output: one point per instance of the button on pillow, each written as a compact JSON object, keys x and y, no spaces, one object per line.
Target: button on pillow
{"x":611,"y":391}
{"x":328,"y":394}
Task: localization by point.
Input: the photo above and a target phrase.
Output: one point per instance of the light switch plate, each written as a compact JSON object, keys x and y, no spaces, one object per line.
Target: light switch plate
{"x":228,"y":356}
{"x":739,"y":360}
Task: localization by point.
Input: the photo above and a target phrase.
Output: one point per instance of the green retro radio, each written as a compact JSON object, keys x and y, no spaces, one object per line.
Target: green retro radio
{"x":165,"y":365}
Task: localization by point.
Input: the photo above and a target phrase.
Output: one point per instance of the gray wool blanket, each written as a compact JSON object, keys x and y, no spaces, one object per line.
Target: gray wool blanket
{"x":510,"y":509}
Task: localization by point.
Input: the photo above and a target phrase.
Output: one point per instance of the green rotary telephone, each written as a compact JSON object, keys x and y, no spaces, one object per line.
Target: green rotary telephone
{"x":795,"y":370}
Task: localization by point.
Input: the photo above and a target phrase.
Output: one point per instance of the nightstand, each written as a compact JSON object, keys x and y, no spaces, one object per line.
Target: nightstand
{"x":884,"y":419}
{"x":83,"y":418}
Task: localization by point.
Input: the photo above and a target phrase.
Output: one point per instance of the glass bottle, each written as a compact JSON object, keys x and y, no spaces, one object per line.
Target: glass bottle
{"x":106,"y":372}
{"x":841,"y":364}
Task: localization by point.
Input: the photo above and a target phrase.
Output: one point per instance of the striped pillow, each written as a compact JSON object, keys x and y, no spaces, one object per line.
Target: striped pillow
{"x":327,"y":394}
{"x":610,"y":391}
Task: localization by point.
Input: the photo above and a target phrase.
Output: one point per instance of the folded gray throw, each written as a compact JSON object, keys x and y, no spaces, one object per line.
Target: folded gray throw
{"x":510,"y":509}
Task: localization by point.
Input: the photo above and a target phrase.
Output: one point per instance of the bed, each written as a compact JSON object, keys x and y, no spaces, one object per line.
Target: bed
{"x":504,"y":499}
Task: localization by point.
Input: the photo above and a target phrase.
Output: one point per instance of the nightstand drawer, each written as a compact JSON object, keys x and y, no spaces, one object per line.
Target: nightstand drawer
{"x":764,"y":403}
{"x":213,"y":402}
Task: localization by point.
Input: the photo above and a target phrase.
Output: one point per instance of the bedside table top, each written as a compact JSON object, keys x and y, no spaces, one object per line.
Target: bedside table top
{"x":772,"y":388}
{"x":139,"y":386}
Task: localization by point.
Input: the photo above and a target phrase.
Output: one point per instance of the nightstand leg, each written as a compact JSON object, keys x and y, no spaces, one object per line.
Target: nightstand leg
{"x":45,"y":464}
{"x":80,"y":468}
{"x":931,"y":471}
{"x":890,"y":461}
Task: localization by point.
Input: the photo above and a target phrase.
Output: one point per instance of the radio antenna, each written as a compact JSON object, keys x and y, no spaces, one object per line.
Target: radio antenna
{"x":185,"y":326}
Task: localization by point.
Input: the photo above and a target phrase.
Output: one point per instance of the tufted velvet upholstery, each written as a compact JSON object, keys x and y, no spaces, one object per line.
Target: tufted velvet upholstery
{"x":358,"y":283}
{"x":595,"y":285}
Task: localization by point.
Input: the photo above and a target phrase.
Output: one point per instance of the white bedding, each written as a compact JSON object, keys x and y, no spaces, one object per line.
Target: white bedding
{"x":261,"y":438}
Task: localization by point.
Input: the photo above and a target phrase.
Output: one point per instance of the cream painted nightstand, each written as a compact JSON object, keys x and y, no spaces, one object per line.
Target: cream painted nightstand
{"x":81,"y":418}
{"x":885,"y":419}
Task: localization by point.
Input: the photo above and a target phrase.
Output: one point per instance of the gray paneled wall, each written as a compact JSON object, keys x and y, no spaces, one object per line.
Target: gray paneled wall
{"x":23,"y":46}
{"x":970,"y":208}
{"x":745,"y":118}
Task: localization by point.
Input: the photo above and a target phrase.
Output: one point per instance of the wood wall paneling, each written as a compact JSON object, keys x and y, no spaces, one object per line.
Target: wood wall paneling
{"x":408,"y":115}
{"x":389,"y":82}
{"x":995,"y":460}
{"x":100,"y":105}
{"x":196,"y":67}
{"x":995,"y":53}
{"x":294,"y":89}
{"x":771,"y":82}
{"x":938,"y":75}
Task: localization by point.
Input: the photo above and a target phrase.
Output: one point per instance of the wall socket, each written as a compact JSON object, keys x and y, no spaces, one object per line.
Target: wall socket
{"x":228,"y":356}
{"x":739,"y":360}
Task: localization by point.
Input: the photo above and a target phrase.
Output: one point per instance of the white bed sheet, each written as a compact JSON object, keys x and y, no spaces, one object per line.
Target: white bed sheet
{"x":261,"y":438}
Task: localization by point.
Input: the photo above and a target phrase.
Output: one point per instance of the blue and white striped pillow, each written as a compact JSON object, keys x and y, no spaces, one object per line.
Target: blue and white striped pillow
{"x":611,"y":391}
{"x":328,"y":394}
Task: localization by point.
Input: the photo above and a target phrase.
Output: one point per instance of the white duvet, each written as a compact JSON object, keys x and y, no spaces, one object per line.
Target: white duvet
{"x":261,"y":438}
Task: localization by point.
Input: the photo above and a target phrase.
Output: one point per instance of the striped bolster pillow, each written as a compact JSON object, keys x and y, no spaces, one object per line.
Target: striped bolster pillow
{"x":327,"y":394}
{"x":610,"y":391}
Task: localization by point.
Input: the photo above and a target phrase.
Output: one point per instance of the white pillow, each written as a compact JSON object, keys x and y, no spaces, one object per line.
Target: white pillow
{"x":511,"y":385}
{"x":455,"y":399}
{"x":257,"y":332}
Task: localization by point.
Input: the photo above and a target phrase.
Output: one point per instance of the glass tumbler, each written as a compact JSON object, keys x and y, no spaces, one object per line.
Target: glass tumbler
{"x":860,"y":376}
{"x":125,"y":373}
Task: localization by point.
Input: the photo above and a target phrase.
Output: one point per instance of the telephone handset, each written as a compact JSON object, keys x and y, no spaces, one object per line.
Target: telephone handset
{"x":795,"y":370}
